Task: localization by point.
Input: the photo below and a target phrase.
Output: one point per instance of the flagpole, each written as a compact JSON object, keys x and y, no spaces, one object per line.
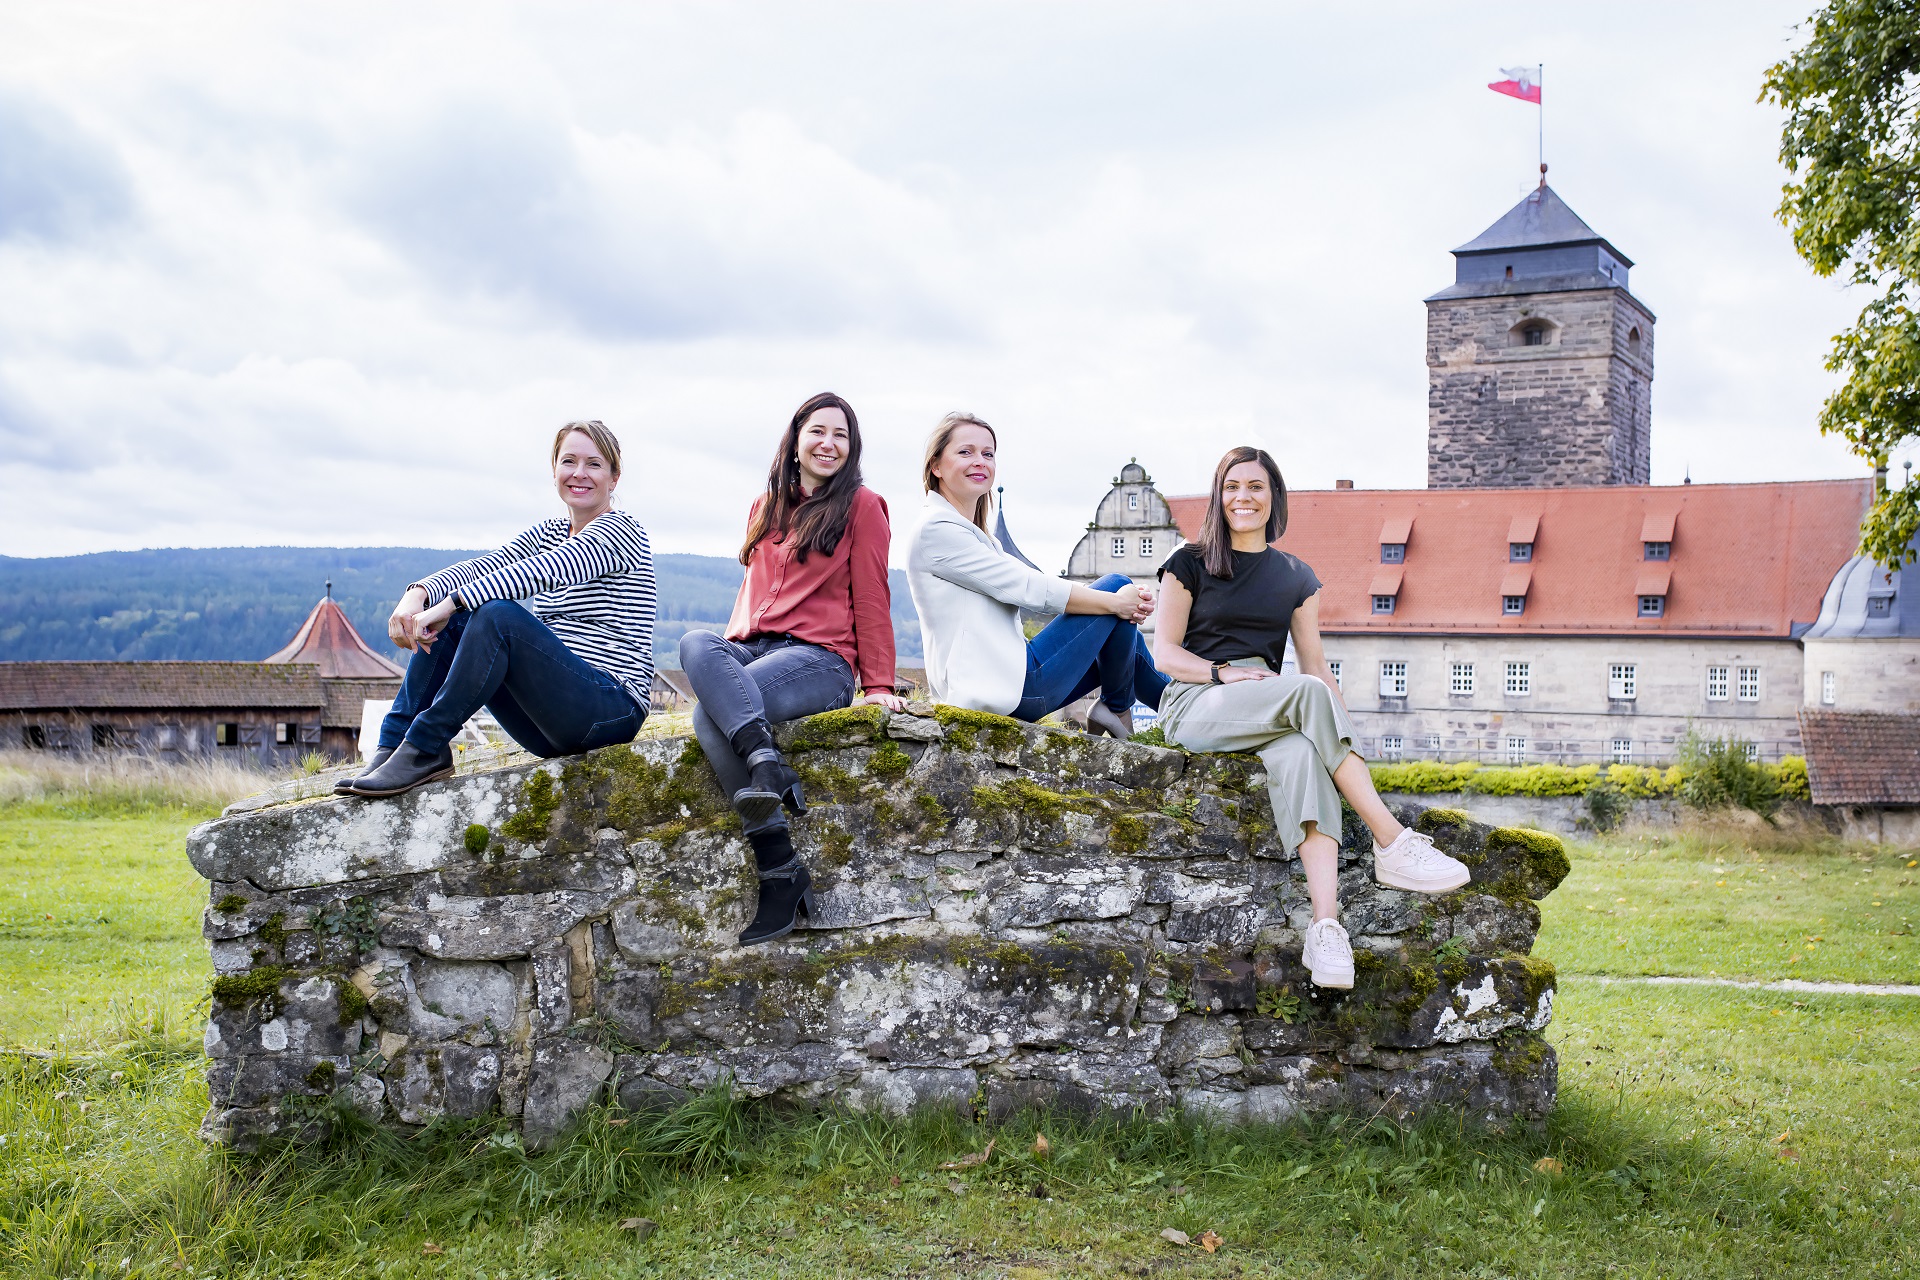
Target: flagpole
{"x":1540,"y":75}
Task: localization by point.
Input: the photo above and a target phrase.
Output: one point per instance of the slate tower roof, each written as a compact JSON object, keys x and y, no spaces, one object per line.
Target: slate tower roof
{"x":1539,"y":246}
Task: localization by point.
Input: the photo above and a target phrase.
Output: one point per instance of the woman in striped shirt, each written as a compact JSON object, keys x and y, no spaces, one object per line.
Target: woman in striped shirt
{"x":811,"y":628}
{"x":573,"y":673}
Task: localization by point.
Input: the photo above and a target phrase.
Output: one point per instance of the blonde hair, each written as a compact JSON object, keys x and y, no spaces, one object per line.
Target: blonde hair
{"x":595,"y":430}
{"x":937,"y":444}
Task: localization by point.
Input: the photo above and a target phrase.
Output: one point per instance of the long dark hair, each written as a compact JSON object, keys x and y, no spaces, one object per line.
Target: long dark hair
{"x":1216,"y":539}
{"x":814,"y":523}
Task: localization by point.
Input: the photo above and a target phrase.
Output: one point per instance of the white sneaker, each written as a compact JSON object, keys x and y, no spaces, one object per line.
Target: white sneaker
{"x":1328,"y":955}
{"x":1411,"y":862}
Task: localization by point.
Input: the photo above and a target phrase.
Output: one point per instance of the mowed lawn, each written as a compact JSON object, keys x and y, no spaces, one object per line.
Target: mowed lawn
{"x":1701,"y":1131}
{"x":99,"y":925}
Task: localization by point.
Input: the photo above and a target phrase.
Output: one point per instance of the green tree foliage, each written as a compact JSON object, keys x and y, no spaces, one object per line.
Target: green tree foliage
{"x":1851,"y":147}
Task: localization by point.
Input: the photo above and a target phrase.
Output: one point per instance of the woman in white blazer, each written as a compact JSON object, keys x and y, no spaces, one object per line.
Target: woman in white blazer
{"x":969,"y":594}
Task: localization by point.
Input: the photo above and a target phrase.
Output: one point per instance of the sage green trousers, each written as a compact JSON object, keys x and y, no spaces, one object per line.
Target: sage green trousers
{"x":1292,"y":722}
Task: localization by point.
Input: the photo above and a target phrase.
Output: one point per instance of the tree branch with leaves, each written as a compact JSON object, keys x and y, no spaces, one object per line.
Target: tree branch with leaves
{"x":1851,"y":147}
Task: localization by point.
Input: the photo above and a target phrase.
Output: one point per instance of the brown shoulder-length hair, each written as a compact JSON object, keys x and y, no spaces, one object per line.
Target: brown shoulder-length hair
{"x":937,"y":444}
{"x":816,"y":523}
{"x":1216,"y":539}
{"x":595,"y":430}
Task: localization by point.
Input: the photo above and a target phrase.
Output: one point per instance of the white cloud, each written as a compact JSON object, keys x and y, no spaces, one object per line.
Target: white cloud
{"x":284,"y":274}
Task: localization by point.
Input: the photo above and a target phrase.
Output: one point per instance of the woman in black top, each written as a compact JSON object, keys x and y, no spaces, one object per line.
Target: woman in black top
{"x":1229,"y":602}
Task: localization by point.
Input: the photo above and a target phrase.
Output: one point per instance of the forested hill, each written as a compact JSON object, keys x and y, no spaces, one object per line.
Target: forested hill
{"x":246,"y":602}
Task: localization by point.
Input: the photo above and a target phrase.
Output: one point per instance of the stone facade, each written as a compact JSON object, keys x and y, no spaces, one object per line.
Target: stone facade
{"x":1132,"y":532}
{"x":1007,"y":916}
{"x":1568,"y":715}
{"x":1574,"y":410}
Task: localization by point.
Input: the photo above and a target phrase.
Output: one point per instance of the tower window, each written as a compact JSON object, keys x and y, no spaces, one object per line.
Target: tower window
{"x":1133,"y":502}
{"x":1520,"y":552}
{"x":1383,"y":604}
{"x":1513,"y":606}
{"x":1653,"y":606}
{"x":1826,"y":688}
{"x":1509,"y":272}
{"x":1879,"y":606}
{"x":1534,"y":337}
{"x":1532,"y":333}
{"x":1393,"y":553}
{"x":1633,"y":342}
{"x":1656,"y":550}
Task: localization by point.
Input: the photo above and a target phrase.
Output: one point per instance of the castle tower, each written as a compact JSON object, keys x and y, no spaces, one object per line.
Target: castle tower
{"x":1539,"y":362}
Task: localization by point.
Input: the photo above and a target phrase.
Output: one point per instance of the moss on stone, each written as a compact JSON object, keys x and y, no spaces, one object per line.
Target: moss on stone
{"x":1367,"y":960}
{"x":829,"y":782}
{"x":965,"y":729}
{"x":847,"y":727}
{"x":539,"y":801}
{"x":1026,"y":799}
{"x":888,"y":762}
{"x":256,"y":986}
{"x":667,"y":904}
{"x":929,"y":807}
{"x":1434,"y":820}
{"x":274,"y":931}
{"x":1537,"y":976}
{"x":1542,"y":858}
{"x":476,"y":839}
{"x":1421,"y":982}
{"x":835,"y":845}
{"x":354,"y":1004}
{"x":1128,"y":834}
{"x":231,"y":903}
{"x":642,"y":795}
{"x":321,"y":1077}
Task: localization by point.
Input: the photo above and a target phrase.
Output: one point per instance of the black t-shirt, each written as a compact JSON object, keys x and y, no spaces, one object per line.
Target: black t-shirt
{"x":1247,"y":615}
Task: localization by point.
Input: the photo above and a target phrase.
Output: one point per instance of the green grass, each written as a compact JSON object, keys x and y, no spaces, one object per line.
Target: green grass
{"x":1722,"y":907}
{"x":1673,"y":1103}
{"x":99,"y":924}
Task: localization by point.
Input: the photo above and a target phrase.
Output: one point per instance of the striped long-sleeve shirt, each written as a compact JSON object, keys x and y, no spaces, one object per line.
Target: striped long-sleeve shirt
{"x":594,"y":589}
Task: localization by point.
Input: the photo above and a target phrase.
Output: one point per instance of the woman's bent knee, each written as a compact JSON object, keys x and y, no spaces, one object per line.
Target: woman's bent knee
{"x":697,"y":644}
{"x":1111,"y":582}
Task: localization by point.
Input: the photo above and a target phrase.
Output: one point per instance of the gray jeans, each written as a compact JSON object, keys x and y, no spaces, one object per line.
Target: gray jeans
{"x":771,"y":678}
{"x":1292,"y":722}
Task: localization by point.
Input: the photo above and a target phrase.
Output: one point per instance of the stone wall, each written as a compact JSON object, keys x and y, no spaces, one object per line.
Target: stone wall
{"x":1576,"y":410}
{"x":1008,"y":916}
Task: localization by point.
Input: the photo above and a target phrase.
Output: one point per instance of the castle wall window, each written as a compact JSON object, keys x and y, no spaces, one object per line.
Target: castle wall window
{"x":1513,"y":606}
{"x":1146,"y":546}
{"x":1717,"y":684}
{"x":1119,"y":548}
{"x":1748,"y":688}
{"x":1656,"y":551}
{"x":1393,"y":679}
{"x":1519,"y":679}
{"x":1653,"y":606}
{"x":1516,"y":749}
{"x":1392,"y":747}
{"x":1622,"y":681}
{"x":1333,"y":667}
{"x":33,"y":737}
{"x":1393,"y":553}
{"x":1827,"y":688}
{"x":1460,"y":680}
{"x":1621,"y":751}
{"x":1133,"y":502}
{"x":1520,"y":552}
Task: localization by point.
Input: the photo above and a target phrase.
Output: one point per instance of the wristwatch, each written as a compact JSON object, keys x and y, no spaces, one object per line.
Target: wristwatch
{"x":1216,"y":672}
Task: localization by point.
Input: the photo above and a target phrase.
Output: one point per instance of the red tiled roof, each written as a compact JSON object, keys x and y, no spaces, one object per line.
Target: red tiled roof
{"x":327,"y":639}
{"x":1862,"y":757}
{"x":128,"y":686}
{"x":1747,"y":559}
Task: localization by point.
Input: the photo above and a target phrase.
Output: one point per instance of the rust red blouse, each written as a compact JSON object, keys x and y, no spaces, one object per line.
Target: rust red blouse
{"x":839,"y":602}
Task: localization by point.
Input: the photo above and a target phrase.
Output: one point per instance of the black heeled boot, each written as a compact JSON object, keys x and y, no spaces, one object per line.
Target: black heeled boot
{"x":786,"y":888}
{"x":771,"y":781}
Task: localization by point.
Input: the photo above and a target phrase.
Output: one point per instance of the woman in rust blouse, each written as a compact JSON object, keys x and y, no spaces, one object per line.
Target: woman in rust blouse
{"x":811,"y":630}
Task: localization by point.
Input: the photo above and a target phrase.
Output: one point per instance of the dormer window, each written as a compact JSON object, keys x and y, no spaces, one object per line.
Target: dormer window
{"x":1383,"y":604}
{"x":1393,"y":553}
{"x":1513,"y":606}
{"x":1653,"y":606}
{"x":1520,"y":552}
{"x":1657,"y":550}
{"x":1533,"y":333}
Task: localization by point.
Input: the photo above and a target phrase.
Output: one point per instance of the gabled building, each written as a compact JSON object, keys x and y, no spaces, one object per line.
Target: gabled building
{"x":1132,"y":531}
{"x":307,"y":697}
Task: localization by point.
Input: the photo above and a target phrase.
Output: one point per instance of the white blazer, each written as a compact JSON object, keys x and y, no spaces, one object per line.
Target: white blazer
{"x":969,"y":594}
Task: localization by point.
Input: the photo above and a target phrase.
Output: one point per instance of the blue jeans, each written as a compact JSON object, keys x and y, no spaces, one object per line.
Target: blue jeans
{"x":503,"y":658}
{"x":1077,"y":653}
{"x":771,"y":678}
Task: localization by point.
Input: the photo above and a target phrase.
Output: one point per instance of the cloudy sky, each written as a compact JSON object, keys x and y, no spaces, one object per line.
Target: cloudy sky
{"x":330,"y":274}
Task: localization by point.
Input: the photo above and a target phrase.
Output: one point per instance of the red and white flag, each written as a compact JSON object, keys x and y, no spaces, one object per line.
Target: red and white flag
{"x":1521,"y":82}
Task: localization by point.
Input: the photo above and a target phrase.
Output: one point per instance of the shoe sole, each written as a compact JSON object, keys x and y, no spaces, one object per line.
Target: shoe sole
{"x":1332,"y":982}
{"x":435,"y":776}
{"x":755,"y":807}
{"x":1397,"y":882}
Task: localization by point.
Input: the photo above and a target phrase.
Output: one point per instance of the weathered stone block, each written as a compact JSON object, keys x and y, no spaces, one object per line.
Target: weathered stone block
{"x":1007,"y":915}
